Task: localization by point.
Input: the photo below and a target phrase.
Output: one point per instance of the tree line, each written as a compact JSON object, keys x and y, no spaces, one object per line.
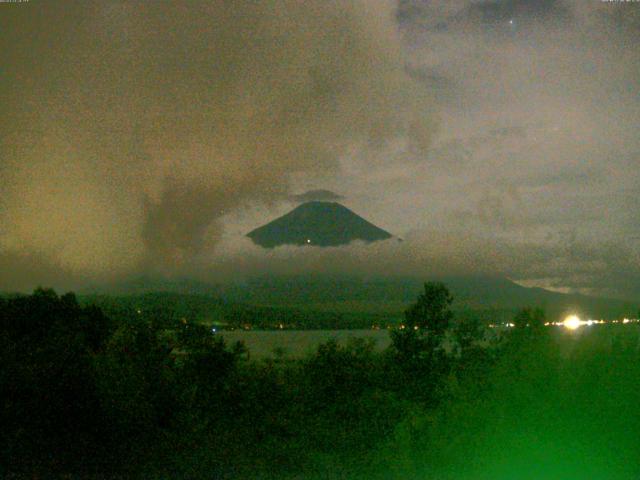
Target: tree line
{"x":89,"y":395}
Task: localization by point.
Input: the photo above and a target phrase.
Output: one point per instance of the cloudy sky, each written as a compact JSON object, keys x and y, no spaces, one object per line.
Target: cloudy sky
{"x":494,"y":137}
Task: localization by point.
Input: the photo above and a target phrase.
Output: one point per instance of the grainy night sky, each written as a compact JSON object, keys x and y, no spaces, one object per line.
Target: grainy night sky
{"x":494,"y":137}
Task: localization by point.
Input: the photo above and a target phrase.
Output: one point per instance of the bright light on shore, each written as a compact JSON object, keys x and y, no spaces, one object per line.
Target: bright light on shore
{"x":572,"y":322}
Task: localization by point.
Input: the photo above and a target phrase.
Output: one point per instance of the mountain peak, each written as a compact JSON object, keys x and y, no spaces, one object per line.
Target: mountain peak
{"x":317,"y":223}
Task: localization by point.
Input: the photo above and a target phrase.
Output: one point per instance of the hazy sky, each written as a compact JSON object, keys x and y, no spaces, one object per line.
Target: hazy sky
{"x":494,"y":137}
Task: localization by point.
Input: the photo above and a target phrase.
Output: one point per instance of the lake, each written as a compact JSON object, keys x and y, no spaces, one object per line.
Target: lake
{"x":297,"y":343}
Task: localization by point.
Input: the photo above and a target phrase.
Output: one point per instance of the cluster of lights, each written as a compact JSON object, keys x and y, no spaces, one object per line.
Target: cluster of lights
{"x":403,"y":326}
{"x":573,"y":322}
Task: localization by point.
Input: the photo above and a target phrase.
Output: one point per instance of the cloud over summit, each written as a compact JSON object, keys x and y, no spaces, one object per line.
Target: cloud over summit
{"x":152,"y":136}
{"x":134,"y":126}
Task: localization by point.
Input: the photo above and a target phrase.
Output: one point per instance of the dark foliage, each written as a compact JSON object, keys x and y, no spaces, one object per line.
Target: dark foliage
{"x":418,"y":344}
{"x":532,"y":318}
{"x":140,"y":396}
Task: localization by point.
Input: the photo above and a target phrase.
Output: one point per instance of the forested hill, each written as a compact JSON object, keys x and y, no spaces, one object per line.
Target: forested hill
{"x":167,"y":307}
{"x":333,"y":299}
{"x":393,"y":295}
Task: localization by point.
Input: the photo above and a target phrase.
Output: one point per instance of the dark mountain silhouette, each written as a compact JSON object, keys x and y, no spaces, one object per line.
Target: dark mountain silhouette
{"x":494,"y":299}
{"x":316,"y":223}
{"x":493,"y":294}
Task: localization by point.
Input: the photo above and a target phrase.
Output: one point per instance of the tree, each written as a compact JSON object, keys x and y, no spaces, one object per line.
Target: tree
{"x":426,"y":322}
{"x":50,"y":409}
{"x":431,"y":313}
{"x":418,"y":346}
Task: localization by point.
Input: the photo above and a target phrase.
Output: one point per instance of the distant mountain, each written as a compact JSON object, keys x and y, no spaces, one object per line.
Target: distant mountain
{"x":329,"y":300}
{"x":490,"y":298}
{"x":167,"y":307}
{"x":317,"y":223}
{"x":497,"y":297}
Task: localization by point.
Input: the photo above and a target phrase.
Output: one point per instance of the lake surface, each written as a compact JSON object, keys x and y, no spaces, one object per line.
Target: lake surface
{"x":296,"y":343}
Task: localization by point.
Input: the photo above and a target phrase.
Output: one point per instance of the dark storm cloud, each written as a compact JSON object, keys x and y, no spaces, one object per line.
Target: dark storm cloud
{"x":538,"y":140}
{"x":128,"y":129}
{"x":565,"y":262}
{"x":459,"y":151}
{"x":500,"y":207}
{"x":484,"y":13}
{"x":27,"y":271}
{"x":158,"y":134}
{"x":533,"y":171}
{"x":501,"y":11}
